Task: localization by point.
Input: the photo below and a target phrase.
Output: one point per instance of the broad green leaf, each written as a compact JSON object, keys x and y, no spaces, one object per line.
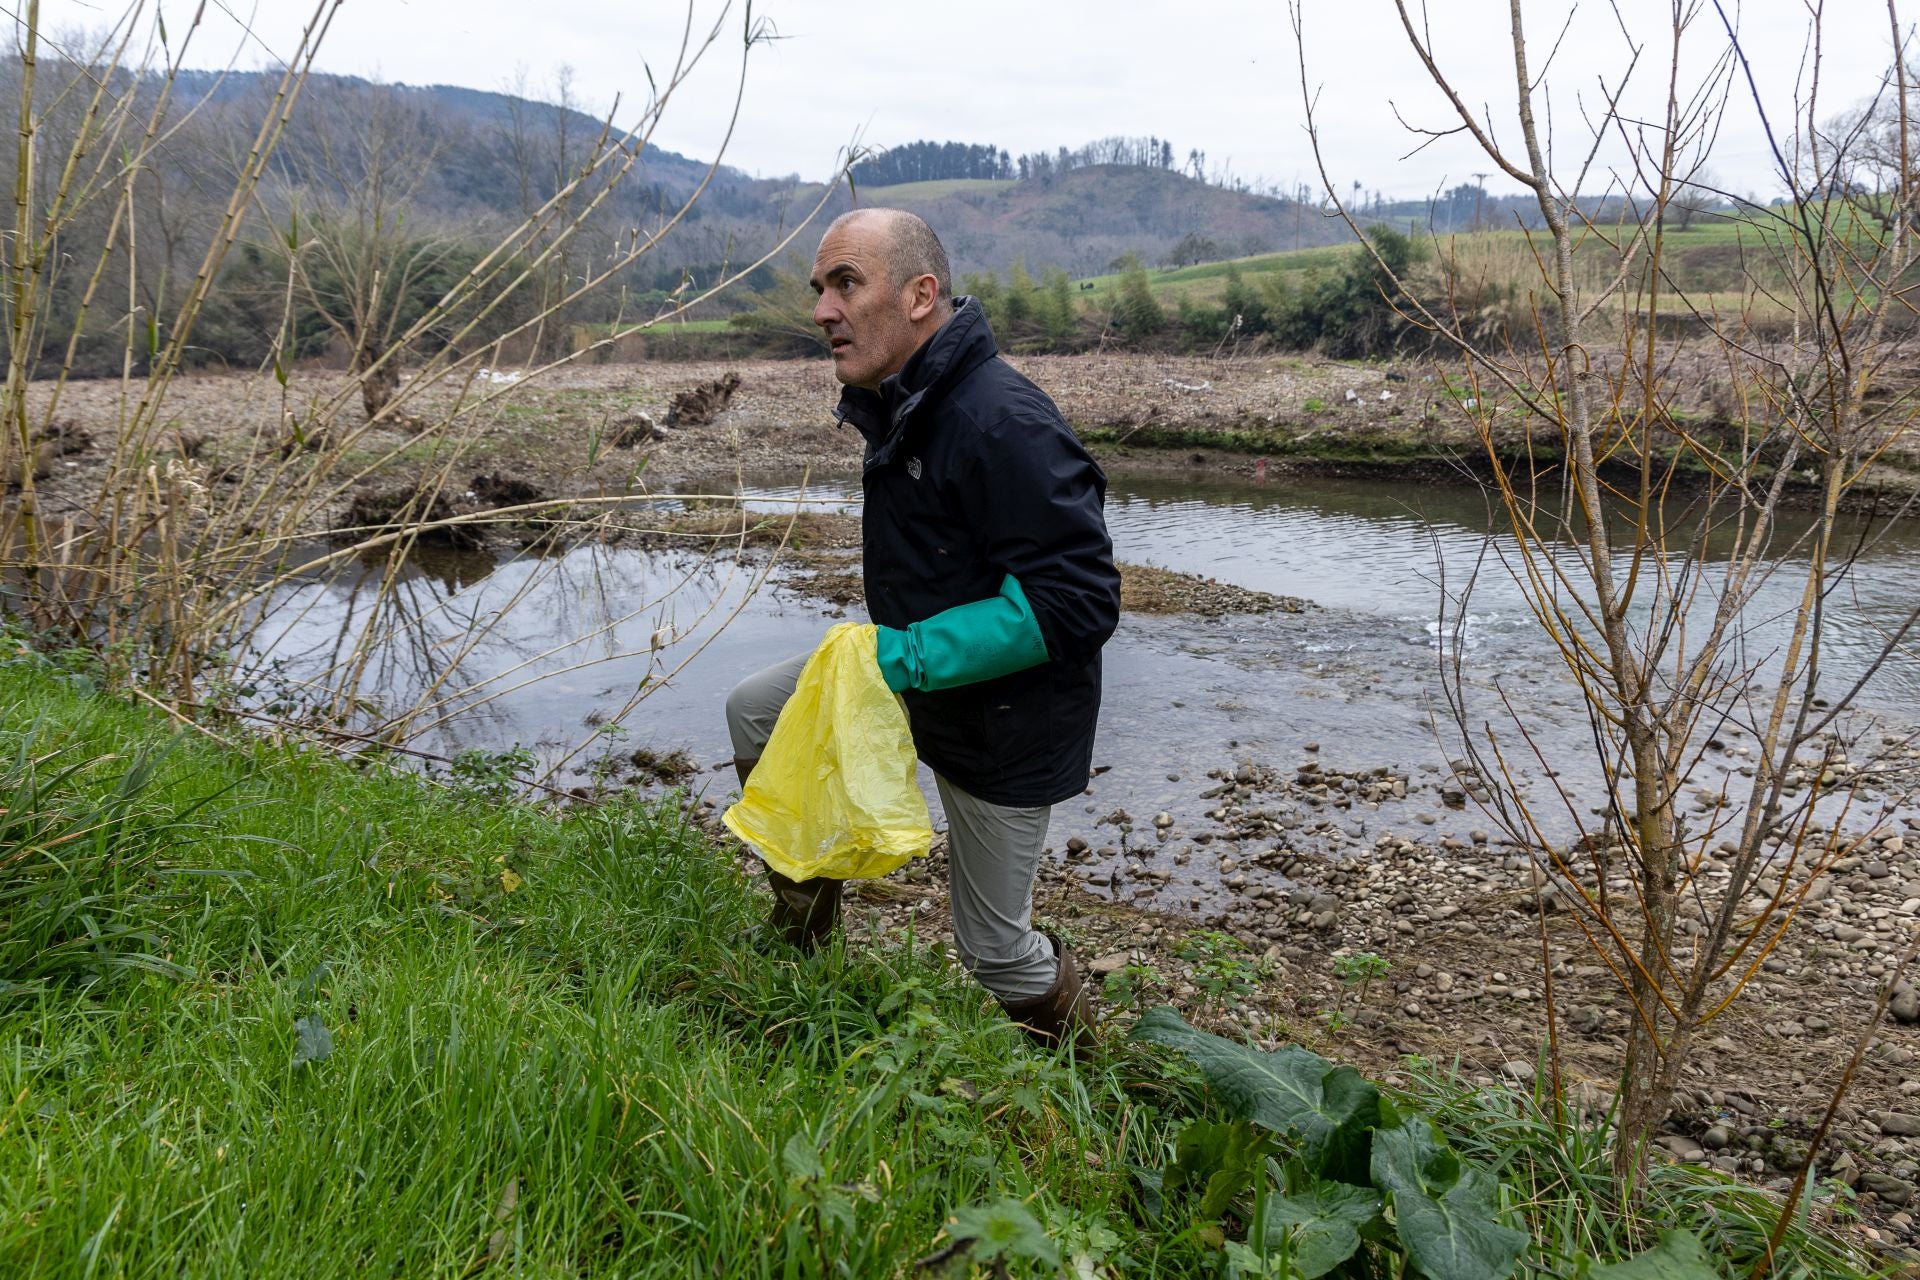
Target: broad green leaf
{"x":1221,"y":1159}
{"x":1320,"y":1226}
{"x":312,"y":1041}
{"x":1003,"y":1228}
{"x":1678,"y":1256}
{"x":1457,"y":1236}
{"x":1446,"y":1212}
{"x":1288,"y":1090}
{"x":801,"y":1159}
{"x":838,"y":1209}
{"x":1412,"y":1156}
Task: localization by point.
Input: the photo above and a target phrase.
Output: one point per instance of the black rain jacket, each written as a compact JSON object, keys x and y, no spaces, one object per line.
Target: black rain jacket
{"x":972,"y":474}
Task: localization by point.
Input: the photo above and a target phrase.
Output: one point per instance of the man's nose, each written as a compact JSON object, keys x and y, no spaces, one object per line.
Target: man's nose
{"x":825,"y":312}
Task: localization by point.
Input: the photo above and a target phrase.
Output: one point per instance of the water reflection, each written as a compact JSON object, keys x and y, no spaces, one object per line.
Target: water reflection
{"x":543,"y":651}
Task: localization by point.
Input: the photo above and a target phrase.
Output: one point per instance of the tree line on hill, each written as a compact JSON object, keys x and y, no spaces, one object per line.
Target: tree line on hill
{"x":927,"y":161}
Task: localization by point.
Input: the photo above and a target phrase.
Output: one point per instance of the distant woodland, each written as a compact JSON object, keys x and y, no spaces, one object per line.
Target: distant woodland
{"x":381,"y":196}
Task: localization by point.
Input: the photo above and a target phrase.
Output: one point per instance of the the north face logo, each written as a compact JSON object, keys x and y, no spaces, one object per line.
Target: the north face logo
{"x":913,"y":467}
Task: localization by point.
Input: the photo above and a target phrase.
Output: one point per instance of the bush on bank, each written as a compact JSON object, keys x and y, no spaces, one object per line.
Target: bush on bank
{"x":264,"y":1012}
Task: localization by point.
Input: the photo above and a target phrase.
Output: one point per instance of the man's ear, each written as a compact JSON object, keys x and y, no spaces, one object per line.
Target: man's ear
{"x":923,"y":295}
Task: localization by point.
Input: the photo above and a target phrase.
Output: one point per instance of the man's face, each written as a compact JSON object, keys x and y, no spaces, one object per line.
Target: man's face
{"x":869,"y":322}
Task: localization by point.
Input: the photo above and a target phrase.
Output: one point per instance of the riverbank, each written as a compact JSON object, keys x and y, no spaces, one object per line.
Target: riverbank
{"x":616,"y":428}
{"x":346,"y":1021}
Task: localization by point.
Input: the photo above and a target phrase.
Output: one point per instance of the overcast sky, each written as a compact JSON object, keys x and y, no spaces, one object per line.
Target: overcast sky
{"x":1220,"y":75}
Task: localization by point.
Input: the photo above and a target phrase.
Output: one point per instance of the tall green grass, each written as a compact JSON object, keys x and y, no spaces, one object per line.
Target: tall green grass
{"x":368,"y":1057}
{"x":382,"y":1028}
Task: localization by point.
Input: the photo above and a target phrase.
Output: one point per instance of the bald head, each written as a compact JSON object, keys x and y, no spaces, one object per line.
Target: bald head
{"x":882,"y":288}
{"x":911,"y":248}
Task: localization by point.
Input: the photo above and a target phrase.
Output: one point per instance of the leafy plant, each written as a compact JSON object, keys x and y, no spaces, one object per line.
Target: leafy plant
{"x":1357,"y":973}
{"x":490,"y":774}
{"x":1222,"y":969}
{"x":1353,"y":1158}
{"x":1362,"y":1182}
{"x":1005,"y":1229}
{"x":1679,"y":1255}
{"x":830,"y":1204}
{"x":1130,"y":984}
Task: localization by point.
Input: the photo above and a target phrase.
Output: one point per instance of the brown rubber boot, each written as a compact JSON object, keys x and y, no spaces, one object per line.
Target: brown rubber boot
{"x":1063,"y":1012}
{"x":804,"y":911}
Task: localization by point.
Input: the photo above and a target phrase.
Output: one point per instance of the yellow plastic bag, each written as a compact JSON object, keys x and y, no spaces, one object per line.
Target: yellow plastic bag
{"x":834,"y":793}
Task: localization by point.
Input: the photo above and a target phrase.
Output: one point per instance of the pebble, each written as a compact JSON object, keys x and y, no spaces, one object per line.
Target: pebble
{"x":1896,"y":1123}
{"x":1681,"y":1148}
{"x":1889,"y":1188}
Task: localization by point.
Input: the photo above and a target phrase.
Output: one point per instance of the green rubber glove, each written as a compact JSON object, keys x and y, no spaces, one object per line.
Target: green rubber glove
{"x":963,"y":645}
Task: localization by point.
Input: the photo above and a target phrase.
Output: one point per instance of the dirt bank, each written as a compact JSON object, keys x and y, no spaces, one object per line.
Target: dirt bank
{"x":558,"y":432}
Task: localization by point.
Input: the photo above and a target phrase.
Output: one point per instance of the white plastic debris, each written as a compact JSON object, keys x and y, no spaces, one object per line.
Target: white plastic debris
{"x":1177,"y":385}
{"x":1352,"y":395}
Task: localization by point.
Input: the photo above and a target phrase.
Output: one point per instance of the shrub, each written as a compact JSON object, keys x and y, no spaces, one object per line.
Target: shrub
{"x":1352,"y":313}
{"x":1137,"y":314}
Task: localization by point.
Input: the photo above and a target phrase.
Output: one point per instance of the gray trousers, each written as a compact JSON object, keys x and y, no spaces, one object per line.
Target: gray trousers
{"x":993,"y":852}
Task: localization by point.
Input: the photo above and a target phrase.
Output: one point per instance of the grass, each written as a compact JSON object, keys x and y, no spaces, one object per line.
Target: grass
{"x":586,"y":1074}
{"x":1702,"y":259}
{"x":349,"y":1022}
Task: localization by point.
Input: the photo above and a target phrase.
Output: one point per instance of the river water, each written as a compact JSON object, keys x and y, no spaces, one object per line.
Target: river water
{"x":572,"y":638}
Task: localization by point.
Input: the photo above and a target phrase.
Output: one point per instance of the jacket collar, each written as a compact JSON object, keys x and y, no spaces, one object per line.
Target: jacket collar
{"x":956,"y":348}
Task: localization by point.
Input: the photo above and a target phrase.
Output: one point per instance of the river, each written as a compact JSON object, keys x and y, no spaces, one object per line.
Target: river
{"x":1358,"y":677}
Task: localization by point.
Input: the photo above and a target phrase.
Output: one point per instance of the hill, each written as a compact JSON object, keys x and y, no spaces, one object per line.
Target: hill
{"x":1085,"y":219}
{"x":482,"y":147}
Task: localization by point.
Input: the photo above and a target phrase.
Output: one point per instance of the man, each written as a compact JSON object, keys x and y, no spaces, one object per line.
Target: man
{"x":990,"y":575}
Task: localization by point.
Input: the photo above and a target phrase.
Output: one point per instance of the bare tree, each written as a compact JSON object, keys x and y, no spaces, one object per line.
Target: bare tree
{"x":1696,"y":194}
{"x":346,"y":218}
{"x":1647,"y":585}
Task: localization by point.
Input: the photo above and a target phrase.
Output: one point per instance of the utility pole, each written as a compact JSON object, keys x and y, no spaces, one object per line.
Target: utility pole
{"x":1479,"y":198}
